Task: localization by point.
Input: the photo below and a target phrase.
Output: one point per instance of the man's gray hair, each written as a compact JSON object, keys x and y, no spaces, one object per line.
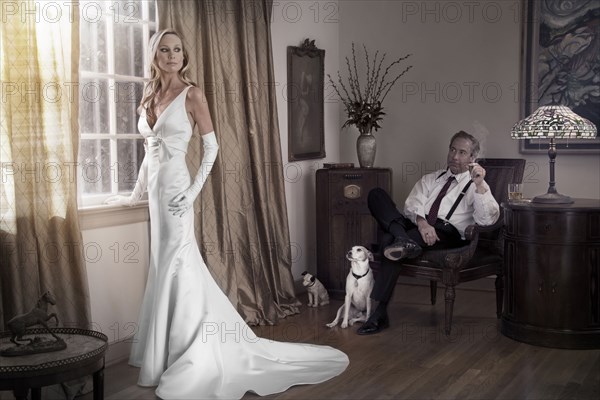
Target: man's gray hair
{"x":474,"y":142}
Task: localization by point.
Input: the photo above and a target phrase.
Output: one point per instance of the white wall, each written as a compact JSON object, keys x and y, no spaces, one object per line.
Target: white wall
{"x":117,"y":260}
{"x":293,"y":22}
{"x":466,"y":64}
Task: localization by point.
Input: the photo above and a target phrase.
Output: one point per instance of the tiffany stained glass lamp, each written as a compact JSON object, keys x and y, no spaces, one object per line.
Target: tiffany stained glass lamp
{"x":553,"y":122}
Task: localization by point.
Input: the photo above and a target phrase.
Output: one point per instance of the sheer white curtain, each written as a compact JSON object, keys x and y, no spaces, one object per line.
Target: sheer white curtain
{"x":40,"y":240}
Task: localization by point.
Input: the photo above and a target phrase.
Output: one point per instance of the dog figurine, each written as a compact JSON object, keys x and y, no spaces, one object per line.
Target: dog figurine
{"x":359,"y":284}
{"x":317,"y":294}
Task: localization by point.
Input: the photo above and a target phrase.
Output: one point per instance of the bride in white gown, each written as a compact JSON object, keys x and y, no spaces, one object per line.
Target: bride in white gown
{"x":191,"y":341}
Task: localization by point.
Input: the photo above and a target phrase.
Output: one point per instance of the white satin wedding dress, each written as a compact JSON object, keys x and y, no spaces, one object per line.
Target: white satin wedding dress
{"x":191,"y":341}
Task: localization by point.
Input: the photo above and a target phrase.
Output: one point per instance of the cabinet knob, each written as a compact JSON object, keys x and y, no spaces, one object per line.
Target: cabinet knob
{"x":540,"y":286}
{"x":553,"y":287}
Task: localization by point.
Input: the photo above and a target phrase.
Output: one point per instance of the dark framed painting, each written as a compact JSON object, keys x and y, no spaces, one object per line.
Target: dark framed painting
{"x":561,"y":63}
{"x":306,"y":70}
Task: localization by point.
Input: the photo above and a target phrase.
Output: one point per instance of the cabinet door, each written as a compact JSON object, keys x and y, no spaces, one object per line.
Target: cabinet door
{"x":555,"y":289}
{"x":529,"y":288}
{"x":568,"y":288}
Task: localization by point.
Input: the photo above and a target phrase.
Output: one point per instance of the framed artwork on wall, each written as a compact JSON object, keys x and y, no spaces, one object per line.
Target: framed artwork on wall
{"x":306,"y":70}
{"x":561,"y":63}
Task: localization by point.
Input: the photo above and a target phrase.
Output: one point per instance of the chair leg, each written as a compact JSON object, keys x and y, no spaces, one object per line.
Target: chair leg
{"x":433,"y":288}
{"x":450,"y":296}
{"x":499,"y":294}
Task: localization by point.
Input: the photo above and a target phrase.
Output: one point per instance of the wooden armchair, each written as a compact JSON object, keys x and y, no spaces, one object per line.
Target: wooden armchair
{"x":481,"y":257}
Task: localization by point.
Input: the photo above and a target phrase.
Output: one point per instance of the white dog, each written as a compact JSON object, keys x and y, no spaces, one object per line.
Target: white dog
{"x":359,"y":283}
{"x":317,"y":294}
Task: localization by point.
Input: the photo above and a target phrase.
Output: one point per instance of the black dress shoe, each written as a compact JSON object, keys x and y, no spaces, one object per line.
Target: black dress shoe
{"x":413,"y":250}
{"x":402,"y":248}
{"x":373,"y":326}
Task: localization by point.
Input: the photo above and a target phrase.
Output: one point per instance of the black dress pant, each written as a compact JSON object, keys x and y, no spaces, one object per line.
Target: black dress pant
{"x":396,"y":225}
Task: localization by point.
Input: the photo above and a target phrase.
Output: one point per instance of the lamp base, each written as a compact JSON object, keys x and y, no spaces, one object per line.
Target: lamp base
{"x":552,"y":198}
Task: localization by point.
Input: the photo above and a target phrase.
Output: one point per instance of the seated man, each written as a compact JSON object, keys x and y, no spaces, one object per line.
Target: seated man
{"x":436,"y":215}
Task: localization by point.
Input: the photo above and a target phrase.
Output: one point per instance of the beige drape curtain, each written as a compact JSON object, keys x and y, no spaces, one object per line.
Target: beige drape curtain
{"x":241,"y":219}
{"x":40,"y":242}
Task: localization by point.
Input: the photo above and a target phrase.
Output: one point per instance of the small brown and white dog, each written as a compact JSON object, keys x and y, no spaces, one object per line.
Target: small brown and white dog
{"x":317,"y":294}
{"x":359,"y":284}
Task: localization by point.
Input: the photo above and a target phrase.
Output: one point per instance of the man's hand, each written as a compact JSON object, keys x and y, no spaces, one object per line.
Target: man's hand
{"x":427,"y":231}
{"x":478,"y":175}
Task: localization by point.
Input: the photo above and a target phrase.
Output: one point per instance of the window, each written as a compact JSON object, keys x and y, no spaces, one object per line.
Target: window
{"x":113,"y":52}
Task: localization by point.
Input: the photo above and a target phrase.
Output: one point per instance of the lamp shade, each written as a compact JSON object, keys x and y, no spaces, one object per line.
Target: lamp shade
{"x":557,"y":122}
{"x":553,"y":122}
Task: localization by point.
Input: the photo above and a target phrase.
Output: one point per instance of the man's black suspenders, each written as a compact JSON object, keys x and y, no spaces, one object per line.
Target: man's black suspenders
{"x":458,"y":199}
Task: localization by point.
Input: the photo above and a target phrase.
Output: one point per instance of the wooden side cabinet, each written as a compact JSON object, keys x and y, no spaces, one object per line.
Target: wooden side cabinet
{"x":552,"y":274}
{"x":344,"y":220}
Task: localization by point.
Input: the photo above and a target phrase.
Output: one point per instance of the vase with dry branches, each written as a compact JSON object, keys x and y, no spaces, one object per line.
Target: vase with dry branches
{"x":363,"y":98}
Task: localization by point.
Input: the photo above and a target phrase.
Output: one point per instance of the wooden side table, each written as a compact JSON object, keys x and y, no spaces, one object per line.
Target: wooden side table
{"x":83,"y":356}
{"x":552,"y":273}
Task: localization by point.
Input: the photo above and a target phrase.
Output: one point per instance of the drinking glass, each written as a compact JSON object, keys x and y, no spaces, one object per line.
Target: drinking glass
{"x":515,"y":191}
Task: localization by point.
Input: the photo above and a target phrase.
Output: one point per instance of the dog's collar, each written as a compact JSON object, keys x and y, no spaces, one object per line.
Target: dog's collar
{"x":360,"y":276}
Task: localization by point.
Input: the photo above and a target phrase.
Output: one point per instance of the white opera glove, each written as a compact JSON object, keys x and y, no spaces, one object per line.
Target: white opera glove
{"x":181,"y":203}
{"x":138,"y":190}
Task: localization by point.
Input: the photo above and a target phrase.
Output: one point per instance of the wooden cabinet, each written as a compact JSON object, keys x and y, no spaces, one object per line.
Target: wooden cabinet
{"x":552,"y":273}
{"x":343,"y":219}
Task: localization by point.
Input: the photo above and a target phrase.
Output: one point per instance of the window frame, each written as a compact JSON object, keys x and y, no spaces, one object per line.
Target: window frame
{"x":111,"y":17}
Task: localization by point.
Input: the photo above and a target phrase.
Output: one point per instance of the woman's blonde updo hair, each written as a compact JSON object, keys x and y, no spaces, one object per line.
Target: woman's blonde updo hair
{"x":153,"y":86}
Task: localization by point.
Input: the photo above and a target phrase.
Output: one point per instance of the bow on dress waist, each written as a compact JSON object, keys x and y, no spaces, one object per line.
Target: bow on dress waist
{"x":167,"y":145}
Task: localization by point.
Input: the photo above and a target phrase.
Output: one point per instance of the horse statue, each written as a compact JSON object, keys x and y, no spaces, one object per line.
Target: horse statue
{"x":37,"y":316}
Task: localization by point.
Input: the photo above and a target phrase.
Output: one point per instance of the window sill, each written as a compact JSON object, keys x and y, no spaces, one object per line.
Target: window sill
{"x":106,"y":216}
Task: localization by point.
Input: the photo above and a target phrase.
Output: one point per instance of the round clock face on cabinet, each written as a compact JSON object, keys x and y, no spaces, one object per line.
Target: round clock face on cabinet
{"x":352,"y":191}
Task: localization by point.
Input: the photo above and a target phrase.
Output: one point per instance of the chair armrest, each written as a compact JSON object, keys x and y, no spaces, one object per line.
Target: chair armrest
{"x":472,"y":232}
{"x":492,"y":237}
{"x":492,"y":228}
{"x":472,"y":235}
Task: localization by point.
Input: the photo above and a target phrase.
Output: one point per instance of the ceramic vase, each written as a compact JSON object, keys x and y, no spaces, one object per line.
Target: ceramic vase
{"x":366,"y":146}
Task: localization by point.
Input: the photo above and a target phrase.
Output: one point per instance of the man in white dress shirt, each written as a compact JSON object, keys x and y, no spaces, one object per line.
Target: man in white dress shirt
{"x":435,"y":216}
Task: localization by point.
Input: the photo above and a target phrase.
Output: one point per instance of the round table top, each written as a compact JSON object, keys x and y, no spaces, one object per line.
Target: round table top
{"x":83,"y":347}
{"x":577,"y":204}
